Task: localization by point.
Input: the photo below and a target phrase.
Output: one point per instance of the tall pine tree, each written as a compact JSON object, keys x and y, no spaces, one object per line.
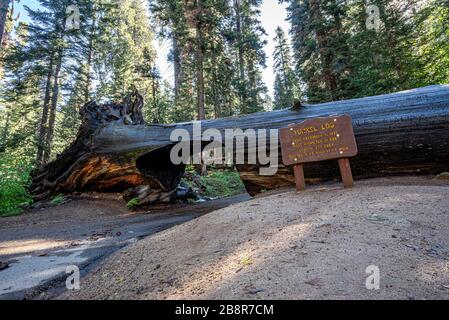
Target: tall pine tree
{"x":286,"y":87}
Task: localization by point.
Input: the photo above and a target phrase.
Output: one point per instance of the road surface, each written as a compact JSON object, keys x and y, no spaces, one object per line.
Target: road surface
{"x":38,"y":246}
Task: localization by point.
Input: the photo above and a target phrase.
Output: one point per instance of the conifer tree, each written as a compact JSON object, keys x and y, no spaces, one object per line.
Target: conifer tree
{"x":320,"y":35}
{"x":19,"y":96}
{"x":46,"y":50}
{"x":250,"y":56}
{"x":286,"y":88}
{"x":4,"y":8}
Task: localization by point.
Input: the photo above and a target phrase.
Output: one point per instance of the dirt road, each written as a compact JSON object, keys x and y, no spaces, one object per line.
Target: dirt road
{"x":325,"y":243}
{"x":38,"y":245}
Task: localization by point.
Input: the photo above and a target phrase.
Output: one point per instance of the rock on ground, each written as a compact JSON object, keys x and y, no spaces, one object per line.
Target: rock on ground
{"x":315,"y":245}
{"x":443,"y":176}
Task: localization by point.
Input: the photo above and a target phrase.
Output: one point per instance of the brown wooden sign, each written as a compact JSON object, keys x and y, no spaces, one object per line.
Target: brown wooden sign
{"x":316,"y":140}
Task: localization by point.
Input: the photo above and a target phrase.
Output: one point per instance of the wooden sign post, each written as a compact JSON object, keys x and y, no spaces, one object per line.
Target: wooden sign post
{"x":318,"y":140}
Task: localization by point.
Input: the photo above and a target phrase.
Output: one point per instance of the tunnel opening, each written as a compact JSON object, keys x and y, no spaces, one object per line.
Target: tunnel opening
{"x":220,"y":181}
{"x":158,"y":168}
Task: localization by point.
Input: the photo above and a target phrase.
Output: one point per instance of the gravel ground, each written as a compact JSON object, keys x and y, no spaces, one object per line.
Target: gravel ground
{"x":314,"y":245}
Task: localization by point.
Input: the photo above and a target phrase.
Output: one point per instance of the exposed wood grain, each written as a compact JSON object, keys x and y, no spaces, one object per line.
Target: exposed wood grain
{"x":401,"y":133}
{"x":346,"y":173}
{"x":300,"y":180}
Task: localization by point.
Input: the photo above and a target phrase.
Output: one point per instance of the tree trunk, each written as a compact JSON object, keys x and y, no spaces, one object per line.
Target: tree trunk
{"x":44,"y":119}
{"x":177,"y":63}
{"x":241,"y":57}
{"x":60,"y":175}
{"x":323,"y":47}
{"x":4,"y":7}
{"x":90,"y":54}
{"x":252,"y":89}
{"x":154,"y":93}
{"x":201,"y":100}
{"x":214,"y":76}
{"x":52,"y":116}
{"x":401,"y":133}
{"x":200,"y":63}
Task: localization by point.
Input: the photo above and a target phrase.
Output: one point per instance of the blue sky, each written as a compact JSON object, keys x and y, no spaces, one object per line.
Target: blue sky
{"x":273,"y":15}
{"x":19,"y":7}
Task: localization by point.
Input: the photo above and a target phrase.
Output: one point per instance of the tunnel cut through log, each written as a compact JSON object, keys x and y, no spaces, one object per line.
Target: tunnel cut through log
{"x":397,"y":134}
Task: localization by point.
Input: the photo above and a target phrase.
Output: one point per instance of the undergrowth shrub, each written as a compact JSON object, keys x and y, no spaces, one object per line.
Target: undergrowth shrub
{"x":217,"y":184}
{"x":14,"y":183}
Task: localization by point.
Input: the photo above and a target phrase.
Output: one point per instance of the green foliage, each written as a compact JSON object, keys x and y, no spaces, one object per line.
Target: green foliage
{"x":58,"y":200}
{"x":321,"y":47}
{"x":223,"y":184}
{"x":246,"y":261}
{"x":286,"y":86}
{"x":433,"y":41}
{"x":217,"y":184}
{"x":103,"y":60}
{"x":14,"y":181}
{"x":332,"y":56}
{"x":231,"y":40}
{"x":133,"y":203}
{"x":124,"y":55}
{"x":338,"y":57}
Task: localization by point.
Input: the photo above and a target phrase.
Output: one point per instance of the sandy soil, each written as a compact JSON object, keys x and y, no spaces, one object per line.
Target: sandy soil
{"x":316,"y":245}
{"x":36,"y":247}
{"x":84,"y":217}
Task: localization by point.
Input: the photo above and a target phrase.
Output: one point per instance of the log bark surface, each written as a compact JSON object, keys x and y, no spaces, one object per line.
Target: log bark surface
{"x":401,"y":133}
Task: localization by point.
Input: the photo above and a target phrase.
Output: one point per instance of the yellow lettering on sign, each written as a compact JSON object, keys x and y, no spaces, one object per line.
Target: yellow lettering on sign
{"x":328,"y":126}
{"x":305,"y":130}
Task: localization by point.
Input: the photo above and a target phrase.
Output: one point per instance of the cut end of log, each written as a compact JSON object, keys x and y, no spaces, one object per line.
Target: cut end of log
{"x":79,"y":168}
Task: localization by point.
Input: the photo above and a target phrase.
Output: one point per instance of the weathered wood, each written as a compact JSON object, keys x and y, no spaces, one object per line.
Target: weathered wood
{"x":401,"y":133}
{"x":300,"y":180}
{"x":316,"y":140}
{"x":79,"y":167}
{"x":346,"y":173}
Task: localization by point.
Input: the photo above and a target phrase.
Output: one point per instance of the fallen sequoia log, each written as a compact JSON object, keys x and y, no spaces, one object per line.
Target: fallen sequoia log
{"x":400,"y":133}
